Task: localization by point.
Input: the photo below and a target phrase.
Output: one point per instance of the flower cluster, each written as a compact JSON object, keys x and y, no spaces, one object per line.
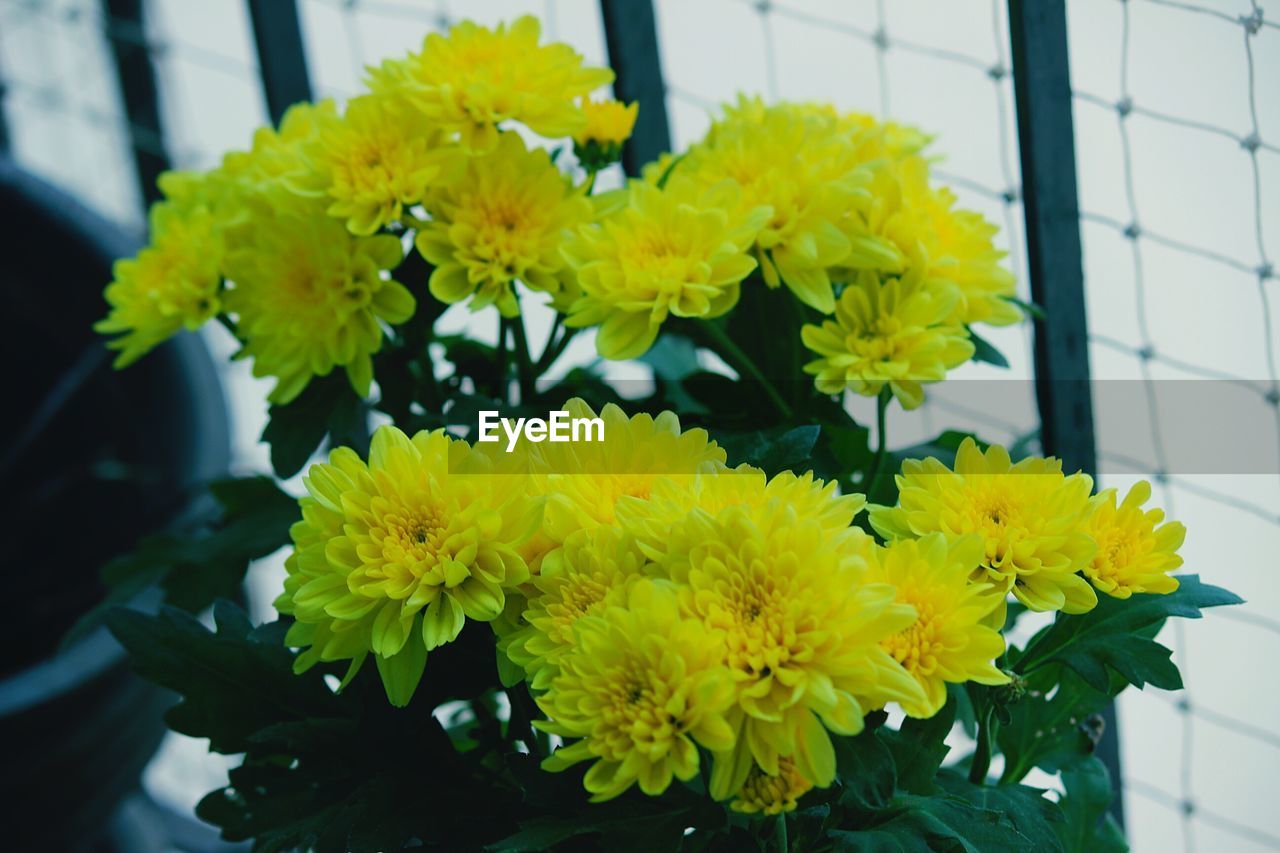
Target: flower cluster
{"x":658,"y":601}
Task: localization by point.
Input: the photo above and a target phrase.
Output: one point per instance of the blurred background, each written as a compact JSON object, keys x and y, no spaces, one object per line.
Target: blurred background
{"x":1177,"y":121}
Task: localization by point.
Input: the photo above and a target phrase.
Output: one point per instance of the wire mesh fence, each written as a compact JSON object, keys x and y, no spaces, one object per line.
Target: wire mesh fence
{"x":947,"y":71}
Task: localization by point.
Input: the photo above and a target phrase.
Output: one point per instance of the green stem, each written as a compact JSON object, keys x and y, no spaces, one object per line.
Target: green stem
{"x":882,"y":444}
{"x":552,"y":353}
{"x":524,"y":363}
{"x":742,"y":363}
{"x":228,"y":325}
{"x":987,"y":726}
{"x":500,"y":352}
{"x":780,"y":833}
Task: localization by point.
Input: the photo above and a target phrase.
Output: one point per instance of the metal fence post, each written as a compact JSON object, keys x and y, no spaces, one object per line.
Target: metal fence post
{"x":127,"y":34}
{"x":631,"y":36}
{"x":1046,"y":139}
{"x":282,"y":59}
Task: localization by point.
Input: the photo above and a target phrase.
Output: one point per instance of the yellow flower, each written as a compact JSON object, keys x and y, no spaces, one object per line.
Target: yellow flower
{"x":608,"y":122}
{"x":374,"y":161}
{"x":958,"y":243}
{"x":1029,"y":516}
{"x":803,"y":166}
{"x":888,"y":331}
{"x":502,"y":222}
{"x":583,"y":481}
{"x":1135,"y":551}
{"x":950,"y":640}
{"x":882,"y":140}
{"x":768,"y":794}
{"x":655,"y":519}
{"x":802,"y":633}
{"x":475,"y":78}
{"x":172,"y":284}
{"x":392,"y":556}
{"x":642,"y":687}
{"x":677,"y":251}
{"x":590,"y":572}
{"x":307,"y":296}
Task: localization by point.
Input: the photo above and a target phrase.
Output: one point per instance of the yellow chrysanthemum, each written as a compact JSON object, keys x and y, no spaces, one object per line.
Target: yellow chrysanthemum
{"x":474,"y":78}
{"x":374,"y":161}
{"x":959,"y":244}
{"x":674,"y":251}
{"x":1030,"y":517}
{"x":171,"y":284}
{"x":1135,"y":551}
{"x":642,"y":687}
{"x":583,"y":481}
{"x":608,"y":122}
{"x":392,"y":556}
{"x":768,"y":794}
{"x":804,"y":167}
{"x":590,"y":572}
{"x":950,"y":641}
{"x":503,"y":221}
{"x":307,"y":296}
{"x":882,"y":140}
{"x":652,"y":519}
{"x":888,"y":332}
{"x":802,"y":633}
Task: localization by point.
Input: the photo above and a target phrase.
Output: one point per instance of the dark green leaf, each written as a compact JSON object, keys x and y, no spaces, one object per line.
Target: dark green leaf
{"x":865,"y":768}
{"x":984,"y":351}
{"x":232,"y":686}
{"x":1088,"y":828}
{"x":1108,"y":637}
{"x":773,"y":450}
{"x":1053,"y":728}
{"x":918,"y":748}
{"x":1033,"y":815}
{"x":935,"y":823}
{"x":296,"y":430}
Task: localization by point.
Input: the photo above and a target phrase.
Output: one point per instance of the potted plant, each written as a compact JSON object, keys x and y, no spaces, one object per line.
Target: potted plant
{"x":713,"y":613}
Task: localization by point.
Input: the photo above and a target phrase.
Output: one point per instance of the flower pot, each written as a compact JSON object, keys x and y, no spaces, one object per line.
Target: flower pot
{"x":90,"y":460}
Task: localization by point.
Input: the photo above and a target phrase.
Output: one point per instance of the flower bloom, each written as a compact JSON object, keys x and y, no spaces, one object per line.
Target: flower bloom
{"x":172,"y":284}
{"x":890,"y":332}
{"x":609,"y":124}
{"x":585,"y":481}
{"x":801,"y":632}
{"x":392,"y":556}
{"x":803,"y":166}
{"x":502,"y":222}
{"x":950,"y":641}
{"x":1029,"y":516}
{"x":1135,"y":551}
{"x":308,"y":296}
{"x":673,"y":251}
{"x":767,"y":794}
{"x":474,"y":78}
{"x":374,"y":161}
{"x":589,"y":573}
{"x":958,"y":243}
{"x":642,"y":687}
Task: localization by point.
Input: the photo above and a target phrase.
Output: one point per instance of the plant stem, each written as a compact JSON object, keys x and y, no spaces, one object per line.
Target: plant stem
{"x":882,"y":444}
{"x":742,"y":363}
{"x":780,"y":833}
{"x":524,"y":363}
{"x":553,"y":352}
{"x":228,"y":325}
{"x":500,"y":351}
{"x":987,"y":726}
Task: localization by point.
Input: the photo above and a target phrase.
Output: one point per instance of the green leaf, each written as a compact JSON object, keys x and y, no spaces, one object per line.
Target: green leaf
{"x":1088,"y":828}
{"x":935,"y":823}
{"x":296,"y":430}
{"x":865,"y":768}
{"x":773,"y":450}
{"x":1032,"y":814}
{"x":1029,"y":308}
{"x":1110,"y":637}
{"x":1055,"y":725}
{"x":231,"y":685}
{"x":984,"y":351}
{"x":919,"y":747}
